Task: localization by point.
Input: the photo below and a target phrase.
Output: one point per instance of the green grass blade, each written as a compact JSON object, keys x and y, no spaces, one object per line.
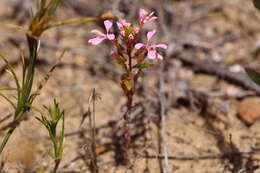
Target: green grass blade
{"x":10,"y":68}
{"x":7,"y":99}
{"x":72,"y":21}
{"x":8,"y":89}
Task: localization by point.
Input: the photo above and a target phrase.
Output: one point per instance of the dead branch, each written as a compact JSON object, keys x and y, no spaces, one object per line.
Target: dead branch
{"x":221,"y":71}
{"x":162,"y":118}
{"x":224,"y":155}
{"x":248,"y":169}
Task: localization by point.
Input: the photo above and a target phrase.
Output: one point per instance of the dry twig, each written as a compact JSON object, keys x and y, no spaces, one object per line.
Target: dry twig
{"x":221,"y":71}
{"x":224,"y":155}
{"x":162,"y":118}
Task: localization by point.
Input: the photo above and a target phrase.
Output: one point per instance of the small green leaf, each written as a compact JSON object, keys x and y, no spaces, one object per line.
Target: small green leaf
{"x":257,"y":4}
{"x":144,"y":65}
{"x":255,"y":76}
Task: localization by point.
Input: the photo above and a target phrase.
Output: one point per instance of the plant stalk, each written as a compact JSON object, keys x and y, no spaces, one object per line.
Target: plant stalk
{"x":57,"y":163}
{"x":6,"y":138}
{"x":130,"y":94}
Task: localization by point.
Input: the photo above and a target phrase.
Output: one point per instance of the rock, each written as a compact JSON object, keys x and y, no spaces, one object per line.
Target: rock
{"x":249,"y":110}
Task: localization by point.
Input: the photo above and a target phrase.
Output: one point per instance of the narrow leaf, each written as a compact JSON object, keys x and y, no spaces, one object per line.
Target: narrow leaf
{"x":7,"y":99}
{"x":144,"y":65}
{"x":255,"y":76}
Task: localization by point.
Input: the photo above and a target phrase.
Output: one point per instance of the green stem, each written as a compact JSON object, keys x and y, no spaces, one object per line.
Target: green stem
{"x":72,"y":21}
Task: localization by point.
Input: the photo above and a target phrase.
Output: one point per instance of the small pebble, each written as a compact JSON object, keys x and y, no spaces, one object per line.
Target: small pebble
{"x":249,"y":110}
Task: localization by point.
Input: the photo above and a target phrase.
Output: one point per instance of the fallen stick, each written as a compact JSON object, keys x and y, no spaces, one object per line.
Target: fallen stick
{"x":221,"y":71}
{"x":201,"y":157}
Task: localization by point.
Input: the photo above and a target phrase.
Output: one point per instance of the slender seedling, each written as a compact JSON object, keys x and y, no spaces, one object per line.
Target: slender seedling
{"x":55,"y":114}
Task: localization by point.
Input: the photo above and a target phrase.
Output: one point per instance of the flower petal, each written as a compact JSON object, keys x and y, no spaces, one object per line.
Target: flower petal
{"x":119,"y":25}
{"x":137,"y":29}
{"x":125,"y":24}
{"x":152,"y":54}
{"x":97,"y":32}
{"x":110,"y":36}
{"x":159,"y":56}
{"x":96,"y":41}
{"x":152,"y":19}
{"x":122,"y":33}
{"x":108,"y":24}
{"x":150,"y":34}
{"x":151,"y":14}
{"x":164,"y":46}
{"x":139,"y":45}
{"x":142,"y":14}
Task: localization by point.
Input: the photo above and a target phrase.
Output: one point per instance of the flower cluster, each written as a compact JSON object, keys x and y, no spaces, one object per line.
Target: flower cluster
{"x":130,"y":33}
{"x":131,"y":54}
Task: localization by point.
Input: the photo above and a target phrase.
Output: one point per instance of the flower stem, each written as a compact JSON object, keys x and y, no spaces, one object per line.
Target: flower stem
{"x":130,"y":94}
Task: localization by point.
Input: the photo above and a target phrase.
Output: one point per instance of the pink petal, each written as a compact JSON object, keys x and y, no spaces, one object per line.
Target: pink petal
{"x":97,"y":32}
{"x":142,"y":14}
{"x":152,"y":54}
{"x":122,"y":33}
{"x":110,"y":36}
{"x":119,"y":25}
{"x":150,"y":34}
{"x":150,"y":15}
{"x":124,"y":23}
{"x":164,"y":46}
{"x":108,"y":24}
{"x":159,"y":56}
{"x":136,"y":29}
{"x":96,"y":41}
{"x":152,"y":18}
{"x":139,"y":45}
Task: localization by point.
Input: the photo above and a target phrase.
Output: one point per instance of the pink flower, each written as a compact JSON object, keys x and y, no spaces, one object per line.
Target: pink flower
{"x":146,"y":17}
{"x":130,"y":37}
{"x":101,"y":36}
{"x":122,"y":24}
{"x":151,"y":48}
